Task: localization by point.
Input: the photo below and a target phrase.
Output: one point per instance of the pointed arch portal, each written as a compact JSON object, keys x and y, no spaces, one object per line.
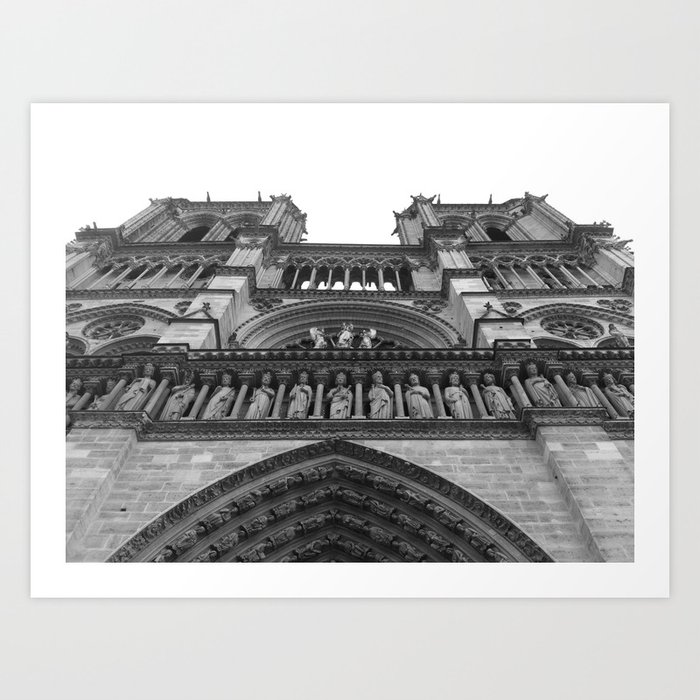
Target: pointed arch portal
{"x":331,"y":501}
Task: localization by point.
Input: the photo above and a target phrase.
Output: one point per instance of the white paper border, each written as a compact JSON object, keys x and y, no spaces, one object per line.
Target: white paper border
{"x":51,"y":576}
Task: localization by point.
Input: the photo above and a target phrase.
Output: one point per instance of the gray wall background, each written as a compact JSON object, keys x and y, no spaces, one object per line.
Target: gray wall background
{"x":362,"y":51}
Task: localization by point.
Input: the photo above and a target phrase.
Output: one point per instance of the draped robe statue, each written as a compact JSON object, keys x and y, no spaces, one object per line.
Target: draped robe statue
{"x":346,"y":336}
{"x":497,"y":402}
{"x":583,"y":395}
{"x":300,"y":398}
{"x":621,"y":340}
{"x":418,"y":399}
{"x":261,"y":400}
{"x":457,"y":399}
{"x":221,"y":400}
{"x":340,"y":398}
{"x":619,"y":396}
{"x":179,"y":400}
{"x":542,"y":393}
{"x":380,"y":398}
{"x":318,"y":337}
{"x":138,"y":392}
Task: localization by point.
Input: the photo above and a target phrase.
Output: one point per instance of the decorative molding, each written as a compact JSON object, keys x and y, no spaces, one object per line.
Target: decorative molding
{"x":111,"y":310}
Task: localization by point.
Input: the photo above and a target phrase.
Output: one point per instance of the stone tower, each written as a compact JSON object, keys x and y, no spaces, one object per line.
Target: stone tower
{"x":238,"y":394}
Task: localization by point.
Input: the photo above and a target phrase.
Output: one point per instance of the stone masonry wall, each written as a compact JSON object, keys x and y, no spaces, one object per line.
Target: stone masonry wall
{"x":116,"y":485}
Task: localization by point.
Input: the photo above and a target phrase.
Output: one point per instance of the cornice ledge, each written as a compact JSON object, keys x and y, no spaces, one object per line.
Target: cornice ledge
{"x":272,"y":429}
{"x":537,"y":417}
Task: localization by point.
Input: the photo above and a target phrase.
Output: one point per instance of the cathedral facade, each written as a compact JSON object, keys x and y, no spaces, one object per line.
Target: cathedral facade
{"x":236,"y":393}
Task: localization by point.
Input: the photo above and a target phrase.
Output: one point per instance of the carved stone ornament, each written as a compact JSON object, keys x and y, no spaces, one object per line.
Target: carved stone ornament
{"x":571,"y":327}
{"x":114,"y":327}
{"x":433,"y":306}
{"x":512,"y":307}
{"x":621,"y":306}
{"x":332,"y":500}
{"x":182,"y":306}
{"x":266,"y":304}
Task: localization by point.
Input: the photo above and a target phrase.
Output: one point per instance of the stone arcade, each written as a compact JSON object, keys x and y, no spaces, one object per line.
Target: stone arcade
{"x":235,"y":393}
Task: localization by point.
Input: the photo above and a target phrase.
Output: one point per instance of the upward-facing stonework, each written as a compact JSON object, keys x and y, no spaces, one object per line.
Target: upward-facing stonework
{"x":236,"y":393}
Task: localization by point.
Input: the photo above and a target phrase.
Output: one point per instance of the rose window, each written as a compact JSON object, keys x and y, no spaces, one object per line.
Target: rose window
{"x":575,"y":329}
{"x":116,"y":327}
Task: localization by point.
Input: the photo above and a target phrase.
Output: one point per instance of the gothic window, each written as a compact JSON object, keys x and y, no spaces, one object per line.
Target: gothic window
{"x":495,"y":234}
{"x":195,"y":234}
{"x":114,"y":327}
{"x":571,"y":327}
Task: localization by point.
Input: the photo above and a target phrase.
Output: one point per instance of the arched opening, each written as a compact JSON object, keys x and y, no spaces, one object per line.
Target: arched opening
{"x":371,"y":279}
{"x":322,"y":277}
{"x":332,"y":501}
{"x":338,"y":279}
{"x":288,"y":277}
{"x":389,"y":279}
{"x":195,"y":234}
{"x":405,"y":279}
{"x":356,"y":278}
{"x":304,"y":278}
{"x":496,"y":234}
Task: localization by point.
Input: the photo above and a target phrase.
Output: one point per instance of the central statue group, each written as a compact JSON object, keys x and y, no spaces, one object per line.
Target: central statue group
{"x":344,"y":338}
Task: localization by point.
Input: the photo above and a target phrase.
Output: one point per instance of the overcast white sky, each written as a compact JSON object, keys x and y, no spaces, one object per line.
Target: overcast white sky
{"x":348,"y":166}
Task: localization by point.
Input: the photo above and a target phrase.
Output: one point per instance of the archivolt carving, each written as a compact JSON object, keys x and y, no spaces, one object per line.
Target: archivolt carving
{"x":399,"y":323}
{"x":111,"y":310}
{"x":331,"y":496}
{"x":131,"y":343}
{"x":574,"y":310}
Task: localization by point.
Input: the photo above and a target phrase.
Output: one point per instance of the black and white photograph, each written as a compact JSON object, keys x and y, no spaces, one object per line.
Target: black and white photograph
{"x":342,"y":348}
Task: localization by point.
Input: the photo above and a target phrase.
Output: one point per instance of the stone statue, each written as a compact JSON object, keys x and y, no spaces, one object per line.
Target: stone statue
{"x":583,"y":395}
{"x":345,"y":336}
{"x":100,"y":401}
{"x":180,"y":399}
{"x":541,"y":392}
{"x":74,"y":393}
{"x":621,"y":340}
{"x":319,"y":338}
{"x":221,"y":400}
{"x":138,"y":392}
{"x":457,"y":399}
{"x":418,"y":399}
{"x":340,"y":398}
{"x":300,"y":397}
{"x":261,"y":400}
{"x":497,"y":402}
{"x":380,"y":399}
{"x":619,"y":396}
{"x":366,"y":338}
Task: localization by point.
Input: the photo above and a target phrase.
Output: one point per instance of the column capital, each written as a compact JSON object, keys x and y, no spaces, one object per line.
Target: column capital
{"x":552,"y":369}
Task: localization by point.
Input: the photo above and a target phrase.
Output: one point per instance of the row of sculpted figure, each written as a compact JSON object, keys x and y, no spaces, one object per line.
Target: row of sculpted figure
{"x":542,"y":393}
{"x":538,"y":392}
